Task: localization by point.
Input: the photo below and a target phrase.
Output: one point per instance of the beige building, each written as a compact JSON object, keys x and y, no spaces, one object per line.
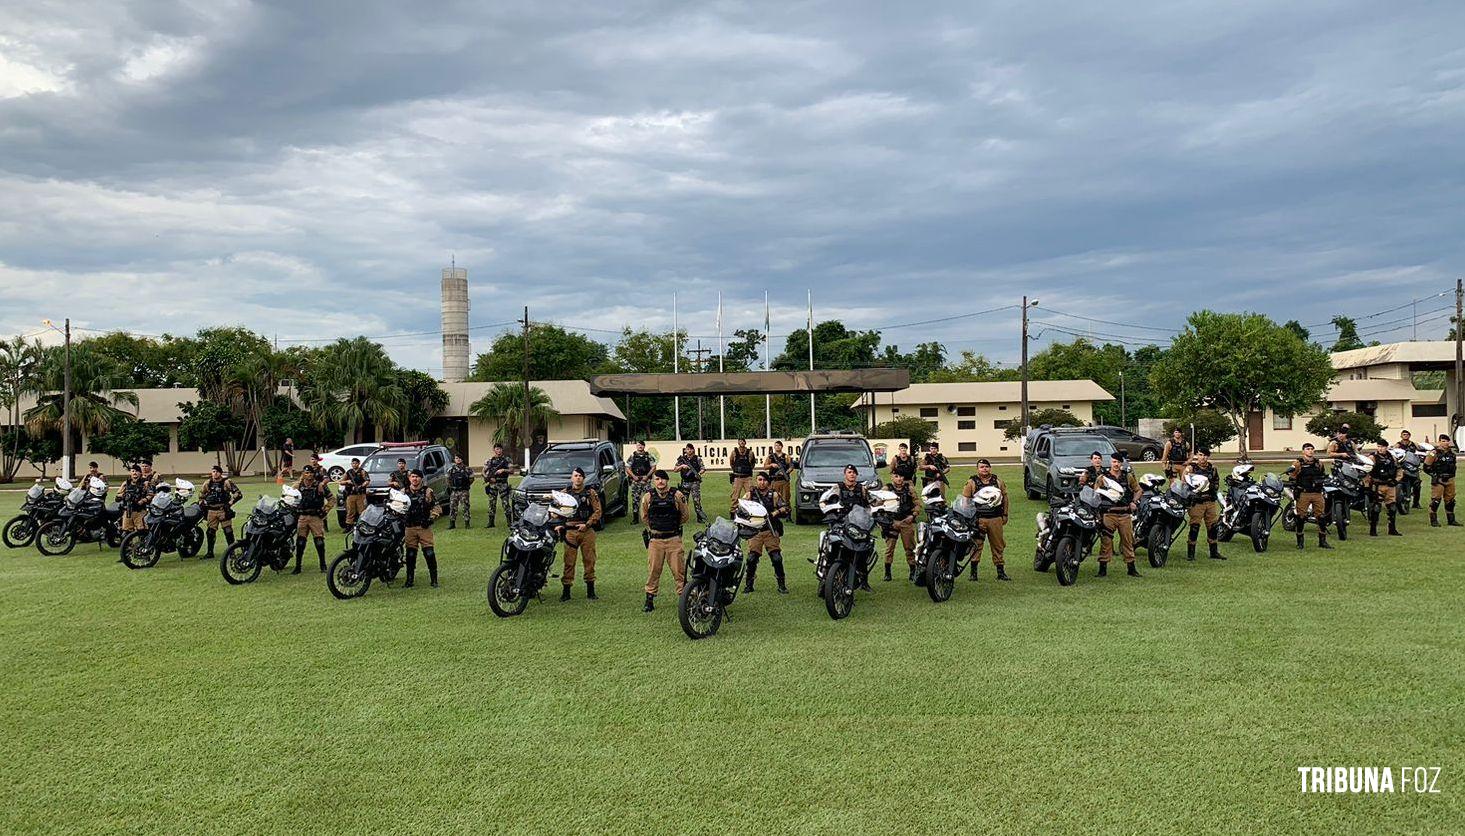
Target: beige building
{"x":581,"y":415}
{"x":971,"y":418}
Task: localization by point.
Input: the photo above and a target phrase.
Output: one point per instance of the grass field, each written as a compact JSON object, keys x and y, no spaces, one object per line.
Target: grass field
{"x":167,"y":700}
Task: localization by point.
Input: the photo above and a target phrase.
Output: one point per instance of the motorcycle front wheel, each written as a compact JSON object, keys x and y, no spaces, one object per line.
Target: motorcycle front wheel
{"x":1065,"y":561}
{"x":940,"y":577}
{"x":1403,"y":495}
{"x":501,"y":597}
{"x":1259,"y":532}
{"x":190,"y":542}
{"x":700,"y":617}
{"x":20,"y":532}
{"x":55,"y":539}
{"x":137,"y":551}
{"x":1340,"y":519}
{"x":839,"y":592}
{"x":343,"y":579}
{"x":241,"y":563}
{"x":1158,"y":545}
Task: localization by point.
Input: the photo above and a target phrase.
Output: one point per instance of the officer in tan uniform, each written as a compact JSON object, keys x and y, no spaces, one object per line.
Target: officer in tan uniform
{"x":579,"y":534}
{"x":1204,"y":508}
{"x":778,"y":463}
{"x":990,"y":524}
{"x":770,"y":539}
{"x":664,"y":512}
{"x":1308,"y":475}
{"x":354,"y":483}
{"x":133,"y":496}
{"x":1118,"y":515}
{"x":315,"y":502}
{"x":902,"y":526}
{"x":742,"y":461}
{"x":421,"y":511}
{"x":218,"y":497}
{"x":1440,"y":465}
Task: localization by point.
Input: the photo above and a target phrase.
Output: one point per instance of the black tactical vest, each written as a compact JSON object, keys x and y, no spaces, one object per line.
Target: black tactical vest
{"x":419,"y":512}
{"x":1444,"y":465}
{"x":742,"y":463}
{"x":216,"y":494}
{"x":1179,"y":452}
{"x":1310,"y":475}
{"x":662,"y":514}
{"x":312,"y":498}
{"x":582,"y":508}
{"x":640,"y":463}
{"x":1385,"y":470}
{"x":1213,"y":476}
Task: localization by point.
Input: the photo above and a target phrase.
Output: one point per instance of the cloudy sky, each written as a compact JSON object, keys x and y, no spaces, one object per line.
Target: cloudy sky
{"x":306,"y":169}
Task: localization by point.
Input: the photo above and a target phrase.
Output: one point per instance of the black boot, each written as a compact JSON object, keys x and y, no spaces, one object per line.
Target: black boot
{"x":1373,"y":525}
{"x":1450,"y":514}
{"x":411,"y":568}
{"x":565,"y":595}
{"x":1190,"y":550}
{"x":429,"y":554}
{"x":887,"y":571}
{"x":1300,"y":535}
{"x":750,"y":574}
{"x":452,"y":524}
{"x":1216,"y":552}
{"x":1434,"y":515}
{"x":913,"y":573}
{"x":210,"y":536}
{"x":1132,"y":571}
{"x":1002,"y":573}
{"x":1393,"y":524}
{"x":865,"y":582}
{"x":1103,"y":569}
{"x":973,"y":575}
{"x":228,"y":537}
{"x":299,"y":553}
{"x":1322,"y":539}
{"x":777,"y":560}
{"x":590,"y":591}
{"x":320,"y":550}
{"x":650,"y":603}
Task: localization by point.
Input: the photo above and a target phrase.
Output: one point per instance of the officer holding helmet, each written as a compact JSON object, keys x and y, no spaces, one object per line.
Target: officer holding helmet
{"x":579,"y":533}
{"x":1204,"y":509}
{"x":990,"y":520}
{"x":1120,"y":490}
{"x":770,"y":539}
{"x":903,"y":526}
{"x":665,"y":512}
{"x":315,"y":502}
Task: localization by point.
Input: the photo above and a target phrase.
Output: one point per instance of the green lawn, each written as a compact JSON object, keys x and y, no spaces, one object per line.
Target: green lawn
{"x":166,"y":699}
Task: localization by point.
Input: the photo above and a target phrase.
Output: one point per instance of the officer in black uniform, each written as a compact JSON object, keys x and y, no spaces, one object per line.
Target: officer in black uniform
{"x":934,"y":466}
{"x":638,"y":470}
{"x":1381,"y":481}
{"x":218,"y":498}
{"x":460,"y":480}
{"x":315,"y":503}
{"x":1440,"y":465}
{"x":1307,"y":473}
{"x":778,"y":463}
{"x":496,"y":473}
{"x":690,"y":466}
{"x":742,"y":462}
{"x":850,"y":493}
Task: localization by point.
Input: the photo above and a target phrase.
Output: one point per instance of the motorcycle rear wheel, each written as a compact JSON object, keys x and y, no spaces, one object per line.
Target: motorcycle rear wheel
{"x":1065,"y":561}
{"x":692,"y":611}
{"x":344,"y":582}
{"x":1404,"y":495}
{"x":839,"y":594}
{"x":54,"y":539}
{"x":1259,"y":532}
{"x":135,"y":551}
{"x":20,"y":532}
{"x":240,"y":563}
{"x":500,"y":593}
{"x":1341,"y":513}
{"x":940,"y":579}
{"x":1158,"y":545}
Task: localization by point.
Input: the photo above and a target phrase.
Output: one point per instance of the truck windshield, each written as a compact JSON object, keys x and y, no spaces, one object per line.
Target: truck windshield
{"x":562,"y":462}
{"x":1081,"y":446}
{"x":837,"y":454}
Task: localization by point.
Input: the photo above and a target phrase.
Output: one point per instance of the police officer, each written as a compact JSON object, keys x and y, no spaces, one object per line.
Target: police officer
{"x":1382,"y":480}
{"x":133,"y":496}
{"x":638,"y":470}
{"x":1204,"y":510}
{"x":315,"y":502}
{"x":94,"y":475}
{"x":850,"y":493}
{"x":1090,"y":475}
{"x":496,"y":473}
{"x":770,"y":539}
{"x":1176,"y":454}
{"x":778,"y":464}
{"x":904,"y":463}
{"x":742,"y":462}
{"x":1340,"y":448}
{"x":689,"y":464}
{"x":1440,"y":465}
{"x":218,"y":498}
{"x":421,"y":511}
{"x":990,"y":523}
{"x":400,"y":478}
{"x":934,"y":466}
{"x":321,"y":478}
{"x":1118,"y":515}
{"x":460,"y":480}
{"x":903,"y":526}
{"x":579,"y":534}
{"x":665,"y":512}
{"x":150,"y":478}
{"x":1307,"y":473}
{"x":1406,"y":443}
{"x":354,"y":483}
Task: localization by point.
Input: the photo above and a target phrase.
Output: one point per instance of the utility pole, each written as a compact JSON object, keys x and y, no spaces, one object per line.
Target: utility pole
{"x":66,"y":402}
{"x":525,"y":422}
{"x":1123,"y":413}
{"x":812,"y":430}
{"x":1025,"y":305}
{"x":1459,"y":353}
{"x":676,"y":365}
{"x":700,"y":351}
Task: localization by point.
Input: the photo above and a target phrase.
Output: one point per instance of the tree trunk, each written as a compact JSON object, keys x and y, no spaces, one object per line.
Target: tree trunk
{"x":1241,"y":430}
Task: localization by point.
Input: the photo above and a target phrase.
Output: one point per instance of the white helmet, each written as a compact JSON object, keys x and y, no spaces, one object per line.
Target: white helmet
{"x":1397,"y":453}
{"x":885,"y":501}
{"x":1243,"y":470}
{"x":1199,"y":483}
{"x":98,"y":488}
{"x":933,"y":494}
{"x":398,"y":501}
{"x":289,"y":497}
{"x":751,"y":514}
{"x":1153,"y":481}
{"x":63,"y":485}
{"x":829,"y":501}
{"x":1110,"y":492}
{"x":183,"y":488}
{"x":562,"y":504}
{"x":1364,"y":461}
{"x":988,"y":497}
{"x":1426,"y":448}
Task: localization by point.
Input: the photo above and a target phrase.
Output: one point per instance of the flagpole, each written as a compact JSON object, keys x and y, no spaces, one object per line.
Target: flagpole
{"x":721,"y":399}
{"x":767,"y":399}
{"x":811,"y":358}
{"x":676,"y":366}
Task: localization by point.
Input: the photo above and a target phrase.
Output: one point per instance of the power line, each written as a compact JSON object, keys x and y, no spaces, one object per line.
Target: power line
{"x":1384,"y":311}
{"x":1111,"y":322}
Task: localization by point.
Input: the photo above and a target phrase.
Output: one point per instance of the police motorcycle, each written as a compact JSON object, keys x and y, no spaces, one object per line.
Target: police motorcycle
{"x":41,"y":505}
{"x":1344,"y":493}
{"x":1161,"y":516}
{"x":85,"y":516}
{"x":1066,"y":534}
{"x":715,"y":569}
{"x":846,"y":553}
{"x":527,"y":556}
{"x":269,"y":534}
{"x":1407,"y":492}
{"x":944,"y":542}
{"x":170,"y":524}
{"x":1249,"y":507}
{"x":373,"y":548}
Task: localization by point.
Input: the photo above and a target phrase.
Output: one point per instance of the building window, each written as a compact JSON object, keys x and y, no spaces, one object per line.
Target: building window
{"x":1281,"y":422}
{"x":1429,"y":410}
{"x":933,"y":422}
{"x":895,"y":410}
{"x":1002,"y":424}
{"x":966,"y":411}
{"x":929,"y":412}
{"x":1068,"y":406}
{"x":1002,"y":408}
{"x":1003,"y":449}
{"x":966,"y":447}
{"x":966,"y":425}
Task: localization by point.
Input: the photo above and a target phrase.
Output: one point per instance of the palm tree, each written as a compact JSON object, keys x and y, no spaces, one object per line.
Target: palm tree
{"x":352,"y":384}
{"x":504,"y":405}
{"x":95,"y":398}
{"x":19,"y":365}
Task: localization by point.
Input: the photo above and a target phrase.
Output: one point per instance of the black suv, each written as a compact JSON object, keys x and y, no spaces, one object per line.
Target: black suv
{"x":604,"y":470}
{"x":432,"y":459}
{"x":1054,"y":457}
{"x":821,"y":465}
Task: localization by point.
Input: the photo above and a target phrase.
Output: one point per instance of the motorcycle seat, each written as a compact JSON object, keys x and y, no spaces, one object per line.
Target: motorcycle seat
{"x":192,"y":512}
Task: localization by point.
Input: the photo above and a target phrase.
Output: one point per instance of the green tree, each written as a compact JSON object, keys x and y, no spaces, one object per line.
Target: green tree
{"x":20,"y":362}
{"x":1237,"y":364}
{"x":1348,"y":338}
{"x":1361,"y":425}
{"x":554,"y":354}
{"x":423,"y":400}
{"x":96,"y":394}
{"x":504,"y":405}
{"x":208,"y":427}
{"x":1052,"y":416}
{"x":130,"y":440}
{"x":38,"y":450}
{"x":149,"y":363}
{"x":1211,"y":428}
{"x":927,"y":359}
{"x":918,"y":430}
{"x":972,"y":368}
{"x":1103,"y":364}
{"x":835,"y":347}
{"x":1296,"y":327}
{"x":352,"y":384}
{"x":743,"y":352}
{"x":283,"y":419}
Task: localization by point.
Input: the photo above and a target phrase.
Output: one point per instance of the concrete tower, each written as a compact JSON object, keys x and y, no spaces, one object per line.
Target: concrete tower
{"x":455,"y":324}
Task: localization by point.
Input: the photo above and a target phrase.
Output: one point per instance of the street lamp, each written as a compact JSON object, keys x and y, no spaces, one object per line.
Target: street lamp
{"x":65,"y":397}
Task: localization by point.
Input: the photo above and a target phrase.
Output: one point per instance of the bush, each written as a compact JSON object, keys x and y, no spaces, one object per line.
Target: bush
{"x":1212,"y":429}
{"x":1361,"y":427}
{"x":918,"y":430}
{"x":132,"y":441}
{"x":1052,"y":416}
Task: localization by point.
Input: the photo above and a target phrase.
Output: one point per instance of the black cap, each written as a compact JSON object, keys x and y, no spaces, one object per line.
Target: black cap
{"x":763,"y":474}
{"x":1203,"y":449}
{"x":355,"y":460}
{"x":1309,"y":446}
{"x":849,"y":467}
{"x":498,"y":446}
{"x":1444,"y":436}
{"x":415,"y":472}
{"x":577,"y":472}
{"x":217,"y":468}
{"x":135,"y":466}
{"x":1116,"y":456}
{"x":92,"y":464}
{"x":1343,"y":428}
{"x":984,"y":461}
{"x":658,"y":474}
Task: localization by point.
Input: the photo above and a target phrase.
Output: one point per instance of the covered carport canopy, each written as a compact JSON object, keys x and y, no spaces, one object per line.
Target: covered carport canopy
{"x":751,"y":383}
